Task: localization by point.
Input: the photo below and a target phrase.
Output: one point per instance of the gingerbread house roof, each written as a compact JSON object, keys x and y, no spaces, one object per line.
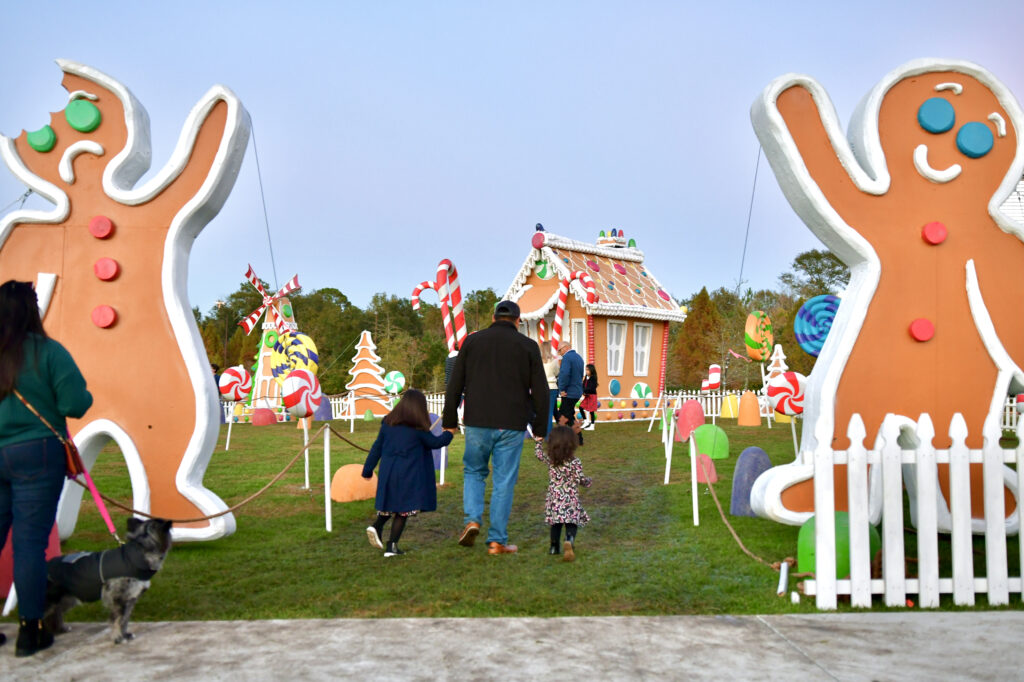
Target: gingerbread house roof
{"x":625,"y":287}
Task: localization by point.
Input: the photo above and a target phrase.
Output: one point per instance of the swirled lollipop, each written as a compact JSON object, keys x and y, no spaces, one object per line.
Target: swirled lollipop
{"x":758,"y":335}
{"x":813,"y":322}
{"x":786,"y":392}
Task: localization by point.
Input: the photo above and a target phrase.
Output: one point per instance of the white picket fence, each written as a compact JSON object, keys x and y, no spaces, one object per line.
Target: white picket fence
{"x":919,"y":466}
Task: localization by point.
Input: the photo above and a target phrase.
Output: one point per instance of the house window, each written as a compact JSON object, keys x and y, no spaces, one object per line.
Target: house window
{"x":579,"y":337}
{"x":641,"y":348}
{"x":616,"y":347}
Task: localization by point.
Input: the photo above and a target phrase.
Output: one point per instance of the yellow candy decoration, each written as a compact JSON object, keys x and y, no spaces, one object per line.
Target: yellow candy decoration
{"x":293,"y":350}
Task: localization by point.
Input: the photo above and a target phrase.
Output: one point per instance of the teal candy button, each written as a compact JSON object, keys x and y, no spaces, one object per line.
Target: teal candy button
{"x":83,"y":115}
{"x":42,"y":140}
{"x":936,"y":115}
{"x":974,"y":139}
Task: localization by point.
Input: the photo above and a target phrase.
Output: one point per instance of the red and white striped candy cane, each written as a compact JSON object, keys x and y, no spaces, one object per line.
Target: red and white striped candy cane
{"x":542,"y":332}
{"x":450,"y":293}
{"x":249,"y":323}
{"x":419,"y":290}
{"x":563,"y":296}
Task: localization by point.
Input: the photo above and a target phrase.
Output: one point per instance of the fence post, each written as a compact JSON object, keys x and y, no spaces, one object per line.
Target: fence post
{"x":857,"y":496}
{"x":995,"y":525}
{"x":893,"y":555}
{"x":960,"y":511}
{"x":926,"y":476}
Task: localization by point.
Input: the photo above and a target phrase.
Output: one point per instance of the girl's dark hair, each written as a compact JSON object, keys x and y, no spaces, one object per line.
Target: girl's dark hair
{"x":411,"y":410}
{"x":562,"y":443}
{"x":592,"y":370}
{"x":19,"y":317}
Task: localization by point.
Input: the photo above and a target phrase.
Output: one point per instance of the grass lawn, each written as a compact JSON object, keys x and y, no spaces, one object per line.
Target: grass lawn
{"x":640,"y":555}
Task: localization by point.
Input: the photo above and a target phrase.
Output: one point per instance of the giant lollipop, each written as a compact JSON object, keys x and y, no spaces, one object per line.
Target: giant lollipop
{"x":758,"y":335}
{"x":301,"y":393}
{"x":235,"y":383}
{"x":786,"y":393}
{"x":813,"y":322}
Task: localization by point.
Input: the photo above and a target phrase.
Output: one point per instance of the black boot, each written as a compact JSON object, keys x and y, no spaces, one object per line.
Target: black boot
{"x":393,"y":550}
{"x":553,"y":549}
{"x":32,"y":637}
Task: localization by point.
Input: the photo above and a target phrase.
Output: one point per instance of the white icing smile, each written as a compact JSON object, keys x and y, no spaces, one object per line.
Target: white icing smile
{"x":933,"y":174}
{"x":67,"y":171}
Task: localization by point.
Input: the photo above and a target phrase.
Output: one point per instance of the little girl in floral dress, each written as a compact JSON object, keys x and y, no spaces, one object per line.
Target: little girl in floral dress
{"x":565,"y":475}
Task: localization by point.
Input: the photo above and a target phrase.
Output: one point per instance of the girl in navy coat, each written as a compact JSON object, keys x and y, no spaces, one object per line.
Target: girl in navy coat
{"x":405,"y":484}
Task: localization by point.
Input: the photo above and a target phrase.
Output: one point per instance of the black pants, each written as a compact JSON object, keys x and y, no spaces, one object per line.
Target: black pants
{"x":567,"y":409}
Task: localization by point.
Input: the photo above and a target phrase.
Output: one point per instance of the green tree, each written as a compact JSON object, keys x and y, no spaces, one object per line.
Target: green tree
{"x":815,"y":272}
{"x":695,"y":343}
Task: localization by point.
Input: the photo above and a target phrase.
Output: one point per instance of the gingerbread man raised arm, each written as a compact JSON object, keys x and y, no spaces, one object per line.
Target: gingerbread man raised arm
{"x":932,"y":320}
{"x":110,"y":260}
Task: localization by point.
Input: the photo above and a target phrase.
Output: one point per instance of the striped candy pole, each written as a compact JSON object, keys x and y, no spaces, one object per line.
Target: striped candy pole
{"x":249,"y":323}
{"x":542,"y":332}
{"x":419,"y":290}
{"x":563,"y":296}
{"x":450,"y":292}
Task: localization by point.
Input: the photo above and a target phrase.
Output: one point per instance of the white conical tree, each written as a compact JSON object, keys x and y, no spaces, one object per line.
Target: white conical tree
{"x":368,"y":379}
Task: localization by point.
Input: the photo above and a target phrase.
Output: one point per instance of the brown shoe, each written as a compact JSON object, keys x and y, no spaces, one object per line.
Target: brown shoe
{"x":498,"y":548}
{"x":469,"y":534}
{"x":568,"y":552}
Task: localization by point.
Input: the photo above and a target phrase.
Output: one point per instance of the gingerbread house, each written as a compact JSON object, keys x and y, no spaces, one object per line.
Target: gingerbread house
{"x":620,"y":325}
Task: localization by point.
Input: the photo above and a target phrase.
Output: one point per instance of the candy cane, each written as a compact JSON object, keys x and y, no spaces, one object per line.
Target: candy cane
{"x":563,"y":295}
{"x":542,"y":332}
{"x":418,"y":290}
{"x":450,"y":293}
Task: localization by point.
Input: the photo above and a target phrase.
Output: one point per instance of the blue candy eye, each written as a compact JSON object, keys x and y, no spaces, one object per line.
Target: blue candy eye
{"x":936,"y":115}
{"x":974,"y":139}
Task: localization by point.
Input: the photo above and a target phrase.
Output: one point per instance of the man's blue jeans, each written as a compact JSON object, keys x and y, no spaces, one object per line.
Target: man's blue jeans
{"x":31,"y":478}
{"x":504,"y":449}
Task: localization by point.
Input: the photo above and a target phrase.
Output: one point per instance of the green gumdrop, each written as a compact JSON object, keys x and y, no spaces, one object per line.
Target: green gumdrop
{"x":286,"y":310}
{"x":632,"y":244}
{"x":711,"y":441}
{"x":83,"y":115}
{"x":42,"y":140}
{"x":368,"y":416}
{"x":601,"y":234}
{"x":805,"y":555}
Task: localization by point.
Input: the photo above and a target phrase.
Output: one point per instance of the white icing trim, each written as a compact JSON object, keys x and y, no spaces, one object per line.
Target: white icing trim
{"x":935,"y":175}
{"x":1008,"y":369}
{"x":184,"y":229}
{"x":45,"y":284}
{"x":999,"y":122}
{"x":125,"y":169}
{"x":90,"y":440}
{"x":65,"y":168}
{"x":957,"y":88}
{"x":49,"y":191}
{"x":81,"y":94}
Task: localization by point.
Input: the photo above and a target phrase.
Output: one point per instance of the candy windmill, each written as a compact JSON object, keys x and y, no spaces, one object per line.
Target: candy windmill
{"x":450,"y":294}
{"x":282,"y":347}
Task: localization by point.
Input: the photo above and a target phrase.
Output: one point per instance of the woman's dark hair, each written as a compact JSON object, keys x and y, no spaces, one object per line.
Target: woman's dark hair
{"x":411,"y":410}
{"x":592,"y":370}
{"x":19,"y":317}
{"x":562,"y":443}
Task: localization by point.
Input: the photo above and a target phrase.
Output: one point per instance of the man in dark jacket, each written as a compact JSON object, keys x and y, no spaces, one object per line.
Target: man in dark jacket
{"x":500,"y":374}
{"x":570,"y":384}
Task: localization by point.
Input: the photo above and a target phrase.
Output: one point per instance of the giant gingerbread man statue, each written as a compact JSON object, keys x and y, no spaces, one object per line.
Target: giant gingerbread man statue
{"x":932,"y":321}
{"x":110,"y":263}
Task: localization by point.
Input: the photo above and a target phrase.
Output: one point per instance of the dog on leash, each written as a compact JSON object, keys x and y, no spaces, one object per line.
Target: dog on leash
{"x":117,"y":576}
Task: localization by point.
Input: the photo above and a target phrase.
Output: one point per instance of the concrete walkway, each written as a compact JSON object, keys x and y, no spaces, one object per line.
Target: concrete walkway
{"x":861,"y":646}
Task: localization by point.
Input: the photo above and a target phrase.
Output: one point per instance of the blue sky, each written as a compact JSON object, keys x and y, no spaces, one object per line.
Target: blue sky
{"x":394,"y":134}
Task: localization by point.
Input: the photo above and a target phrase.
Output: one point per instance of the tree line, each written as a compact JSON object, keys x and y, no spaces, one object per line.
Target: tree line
{"x":413,"y":342}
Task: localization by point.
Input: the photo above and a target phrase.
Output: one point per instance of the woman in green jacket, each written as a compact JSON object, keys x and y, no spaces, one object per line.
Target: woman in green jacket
{"x":32,"y":460}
